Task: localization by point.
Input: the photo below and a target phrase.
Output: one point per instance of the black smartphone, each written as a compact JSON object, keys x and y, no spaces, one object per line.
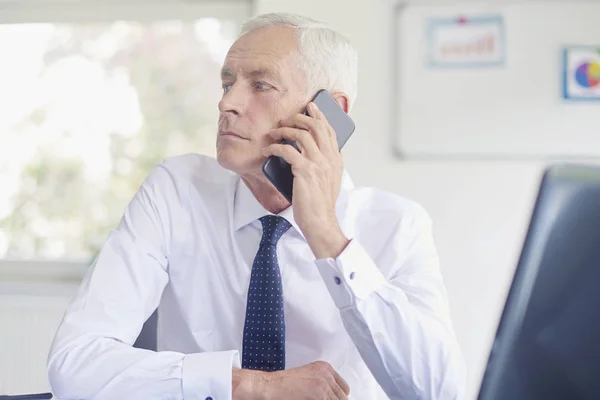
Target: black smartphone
{"x":279,"y":171}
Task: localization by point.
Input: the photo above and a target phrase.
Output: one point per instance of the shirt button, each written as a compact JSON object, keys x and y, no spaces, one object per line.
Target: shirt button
{"x":337,"y":280}
{"x":209,"y":398}
{"x":352,"y":275}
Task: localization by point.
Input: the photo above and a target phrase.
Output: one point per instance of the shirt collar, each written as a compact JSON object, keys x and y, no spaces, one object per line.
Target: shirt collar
{"x":246,"y":209}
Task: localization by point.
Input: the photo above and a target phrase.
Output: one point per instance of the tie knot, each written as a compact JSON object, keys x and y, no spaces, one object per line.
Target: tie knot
{"x":273,"y":228}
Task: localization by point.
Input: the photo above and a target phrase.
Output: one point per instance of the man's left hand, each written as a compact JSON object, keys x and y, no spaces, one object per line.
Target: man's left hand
{"x":317,"y":169}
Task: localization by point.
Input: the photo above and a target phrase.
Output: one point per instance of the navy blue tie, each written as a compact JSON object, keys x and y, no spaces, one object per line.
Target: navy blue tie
{"x":264,"y":329}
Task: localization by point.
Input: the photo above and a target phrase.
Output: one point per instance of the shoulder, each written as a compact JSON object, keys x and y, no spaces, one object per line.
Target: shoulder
{"x":188,"y":179}
{"x":384,"y":208}
{"x":379,"y":218}
{"x":193,"y":169}
{"x":394,"y":230}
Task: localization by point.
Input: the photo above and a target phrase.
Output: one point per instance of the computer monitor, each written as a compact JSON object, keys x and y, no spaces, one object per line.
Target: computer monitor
{"x":547,"y":344}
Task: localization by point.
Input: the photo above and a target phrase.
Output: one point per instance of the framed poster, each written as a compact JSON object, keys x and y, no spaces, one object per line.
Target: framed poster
{"x":581,"y":73}
{"x":472,"y":41}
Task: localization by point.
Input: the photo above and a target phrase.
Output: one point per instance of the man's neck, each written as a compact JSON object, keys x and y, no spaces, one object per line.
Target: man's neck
{"x":265,"y":193}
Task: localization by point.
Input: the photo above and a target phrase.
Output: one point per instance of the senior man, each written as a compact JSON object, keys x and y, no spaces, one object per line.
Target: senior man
{"x":338,"y":296}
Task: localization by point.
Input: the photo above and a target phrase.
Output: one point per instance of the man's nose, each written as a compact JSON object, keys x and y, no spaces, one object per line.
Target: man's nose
{"x":233,"y":101}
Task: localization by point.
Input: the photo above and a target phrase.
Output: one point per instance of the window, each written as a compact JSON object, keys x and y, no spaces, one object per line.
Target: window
{"x":87,"y":110}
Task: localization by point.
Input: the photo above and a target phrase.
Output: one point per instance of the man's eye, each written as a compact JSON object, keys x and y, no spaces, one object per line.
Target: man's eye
{"x":226,"y":87}
{"x":262,"y":86}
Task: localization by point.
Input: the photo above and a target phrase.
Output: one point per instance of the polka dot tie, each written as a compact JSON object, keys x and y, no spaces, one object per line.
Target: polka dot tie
{"x":264,"y":330}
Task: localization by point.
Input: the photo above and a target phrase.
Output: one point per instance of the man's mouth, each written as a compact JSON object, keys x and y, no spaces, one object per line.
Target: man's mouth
{"x":231,"y":134}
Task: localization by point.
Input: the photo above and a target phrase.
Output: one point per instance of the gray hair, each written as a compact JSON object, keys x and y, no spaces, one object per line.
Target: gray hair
{"x":327,"y":57}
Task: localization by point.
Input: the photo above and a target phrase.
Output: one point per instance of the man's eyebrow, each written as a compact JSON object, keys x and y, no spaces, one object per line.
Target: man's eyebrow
{"x":263,"y":73}
{"x":227,"y":73}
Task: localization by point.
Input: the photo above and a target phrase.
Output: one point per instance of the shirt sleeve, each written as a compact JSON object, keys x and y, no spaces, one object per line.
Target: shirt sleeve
{"x":400,"y":321}
{"x":92,"y":357}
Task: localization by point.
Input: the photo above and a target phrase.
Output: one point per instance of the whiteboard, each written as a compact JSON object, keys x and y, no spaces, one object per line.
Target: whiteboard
{"x":512,"y":110}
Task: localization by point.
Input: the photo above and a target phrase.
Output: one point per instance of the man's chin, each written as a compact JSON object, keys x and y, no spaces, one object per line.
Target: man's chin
{"x":226,"y":159}
{"x":233,"y":161}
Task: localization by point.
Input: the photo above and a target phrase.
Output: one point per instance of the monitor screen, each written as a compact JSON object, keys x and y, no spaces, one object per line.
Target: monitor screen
{"x":548,"y":340}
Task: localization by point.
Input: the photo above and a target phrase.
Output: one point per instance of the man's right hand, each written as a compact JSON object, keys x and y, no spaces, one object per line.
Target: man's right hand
{"x":315,"y":381}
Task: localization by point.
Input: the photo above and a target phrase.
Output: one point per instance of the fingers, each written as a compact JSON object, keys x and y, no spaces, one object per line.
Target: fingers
{"x":337,"y":393}
{"x":304,"y":140}
{"x":287,"y":152}
{"x":338,"y":386}
{"x":316,"y":113}
{"x":316,"y":124}
{"x":341,"y":383}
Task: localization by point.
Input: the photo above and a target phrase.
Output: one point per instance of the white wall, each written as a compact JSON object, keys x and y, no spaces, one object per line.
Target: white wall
{"x":28,"y":323}
{"x":480,"y":209}
{"x":32,"y":303}
{"x":496,"y":111}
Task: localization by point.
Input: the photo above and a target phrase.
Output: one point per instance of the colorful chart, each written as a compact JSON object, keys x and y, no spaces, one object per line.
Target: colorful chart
{"x":588,"y":74}
{"x":581,"y":73}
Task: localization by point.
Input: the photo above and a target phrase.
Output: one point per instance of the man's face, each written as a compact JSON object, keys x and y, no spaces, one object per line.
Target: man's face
{"x":262,"y":85}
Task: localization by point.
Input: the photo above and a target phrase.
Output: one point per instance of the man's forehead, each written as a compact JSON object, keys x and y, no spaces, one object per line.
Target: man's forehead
{"x":257,"y":65}
{"x":265,"y":52}
{"x":267,"y":42}
{"x":270,"y":37}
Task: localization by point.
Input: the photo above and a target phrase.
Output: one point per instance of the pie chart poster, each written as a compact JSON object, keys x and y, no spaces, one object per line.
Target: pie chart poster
{"x":581,"y":80}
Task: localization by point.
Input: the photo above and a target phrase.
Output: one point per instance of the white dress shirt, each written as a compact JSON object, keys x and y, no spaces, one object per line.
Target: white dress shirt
{"x":186,"y":243}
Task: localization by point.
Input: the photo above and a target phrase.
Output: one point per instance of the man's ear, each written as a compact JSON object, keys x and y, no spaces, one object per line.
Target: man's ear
{"x":343,"y":100}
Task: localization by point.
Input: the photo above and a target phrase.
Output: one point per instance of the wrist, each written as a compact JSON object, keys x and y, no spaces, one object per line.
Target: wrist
{"x":329,"y":243}
{"x":248,"y":384}
{"x":236,"y":378}
{"x":265,"y":386}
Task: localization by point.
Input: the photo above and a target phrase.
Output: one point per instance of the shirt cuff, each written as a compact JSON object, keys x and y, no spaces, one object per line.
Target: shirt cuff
{"x":208,"y":375}
{"x":352,"y":276}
